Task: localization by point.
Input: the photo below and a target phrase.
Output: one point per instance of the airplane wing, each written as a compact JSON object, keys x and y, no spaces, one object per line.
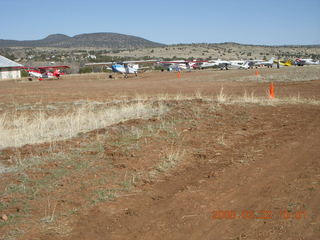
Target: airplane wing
{"x":172,"y":62}
{"x":181,"y":61}
{"x":99,"y":64}
{"x":140,"y":61}
{"x":120,"y":62}
{"x":32,"y":69}
{"x":53,"y":67}
{"x":142,"y":68}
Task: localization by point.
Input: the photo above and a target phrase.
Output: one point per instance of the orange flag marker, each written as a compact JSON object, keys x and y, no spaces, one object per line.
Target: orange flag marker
{"x":179,"y":74}
{"x":257,"y":73}
{"x":271,"y":91}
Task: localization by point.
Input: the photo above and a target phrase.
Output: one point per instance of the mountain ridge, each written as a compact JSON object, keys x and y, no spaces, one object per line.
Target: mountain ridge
{"x":99,"y":40}
{"x":112,"y":41}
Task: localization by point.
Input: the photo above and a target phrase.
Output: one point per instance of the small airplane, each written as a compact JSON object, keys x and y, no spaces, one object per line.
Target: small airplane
{"x":244,"y":65}
{"x":181,"y":64}
{"x":306,"y":61}
{"x":236,"y":63}
{"x":223,"y":64}
{"x":45,"y":72}
{"x":241,"y":64}
{"x":287,"y":63}
{"x":208,"y":64}
{"x":268,"y":64}
{"x":125,"y":68}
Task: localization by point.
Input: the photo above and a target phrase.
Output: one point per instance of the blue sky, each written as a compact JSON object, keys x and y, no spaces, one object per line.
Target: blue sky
{"x":271,"y":22}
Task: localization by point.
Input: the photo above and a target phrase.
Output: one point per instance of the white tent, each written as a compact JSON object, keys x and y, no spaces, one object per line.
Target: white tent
{"x":9,"y":69}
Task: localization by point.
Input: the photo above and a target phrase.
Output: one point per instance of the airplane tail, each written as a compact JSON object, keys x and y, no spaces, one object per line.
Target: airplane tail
{"x":135,"y":66}
{"x":245,"y":65}
{"x":299,"y":62}
{"x":288,"y":63}
{"x":271,"y":60}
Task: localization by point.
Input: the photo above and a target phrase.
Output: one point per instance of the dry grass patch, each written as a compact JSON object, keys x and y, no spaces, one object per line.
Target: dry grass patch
{"x":251,"y":99}
{"x":21,"y":129}
{"x":168,"y":161}
{"x":16,"y":131}
{"x":290,"y":74}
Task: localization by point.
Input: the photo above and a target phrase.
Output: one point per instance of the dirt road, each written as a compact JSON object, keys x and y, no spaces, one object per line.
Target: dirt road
{"x":272,"y":169}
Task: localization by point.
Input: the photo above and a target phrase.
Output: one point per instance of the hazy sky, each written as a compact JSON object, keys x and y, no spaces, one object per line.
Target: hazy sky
{"x":167,"y":21}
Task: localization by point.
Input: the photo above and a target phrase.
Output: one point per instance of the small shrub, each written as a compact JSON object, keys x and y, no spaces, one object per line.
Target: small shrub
{"x":85,"y":70}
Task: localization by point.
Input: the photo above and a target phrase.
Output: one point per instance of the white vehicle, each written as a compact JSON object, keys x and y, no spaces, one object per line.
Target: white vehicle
{"x":45,"y":72}
{"x":307,"y":61}
{"x":237,"y":63}
{"x":125,"y":68}
{"x":180,"y":64}
{"x":268,"y":64}
{"x":245,"y":65}
{"x":207,"y":65}
{"x":222,"y":64}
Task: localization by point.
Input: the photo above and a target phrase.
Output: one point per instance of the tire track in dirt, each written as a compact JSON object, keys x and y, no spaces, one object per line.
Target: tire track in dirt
{"x":180,"y":205}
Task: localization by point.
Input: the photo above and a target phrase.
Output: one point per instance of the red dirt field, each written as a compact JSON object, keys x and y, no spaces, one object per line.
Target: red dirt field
{"x":202,"y":170}
{"x":99,"y":87}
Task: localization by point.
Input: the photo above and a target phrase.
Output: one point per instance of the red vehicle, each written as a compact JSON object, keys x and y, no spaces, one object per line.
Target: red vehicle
{"x":45,"y":72}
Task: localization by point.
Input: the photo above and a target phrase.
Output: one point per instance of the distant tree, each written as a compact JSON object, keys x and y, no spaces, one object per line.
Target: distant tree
{"x":9,"y":56}
{"x":85,"y":70}
{"x":24,"y":73}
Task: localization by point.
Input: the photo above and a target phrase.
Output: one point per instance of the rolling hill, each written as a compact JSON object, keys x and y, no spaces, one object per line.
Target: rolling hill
{"x":97,"y":40}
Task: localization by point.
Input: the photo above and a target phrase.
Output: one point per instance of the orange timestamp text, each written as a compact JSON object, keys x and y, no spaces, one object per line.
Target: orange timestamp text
{"x":258,"y":214}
